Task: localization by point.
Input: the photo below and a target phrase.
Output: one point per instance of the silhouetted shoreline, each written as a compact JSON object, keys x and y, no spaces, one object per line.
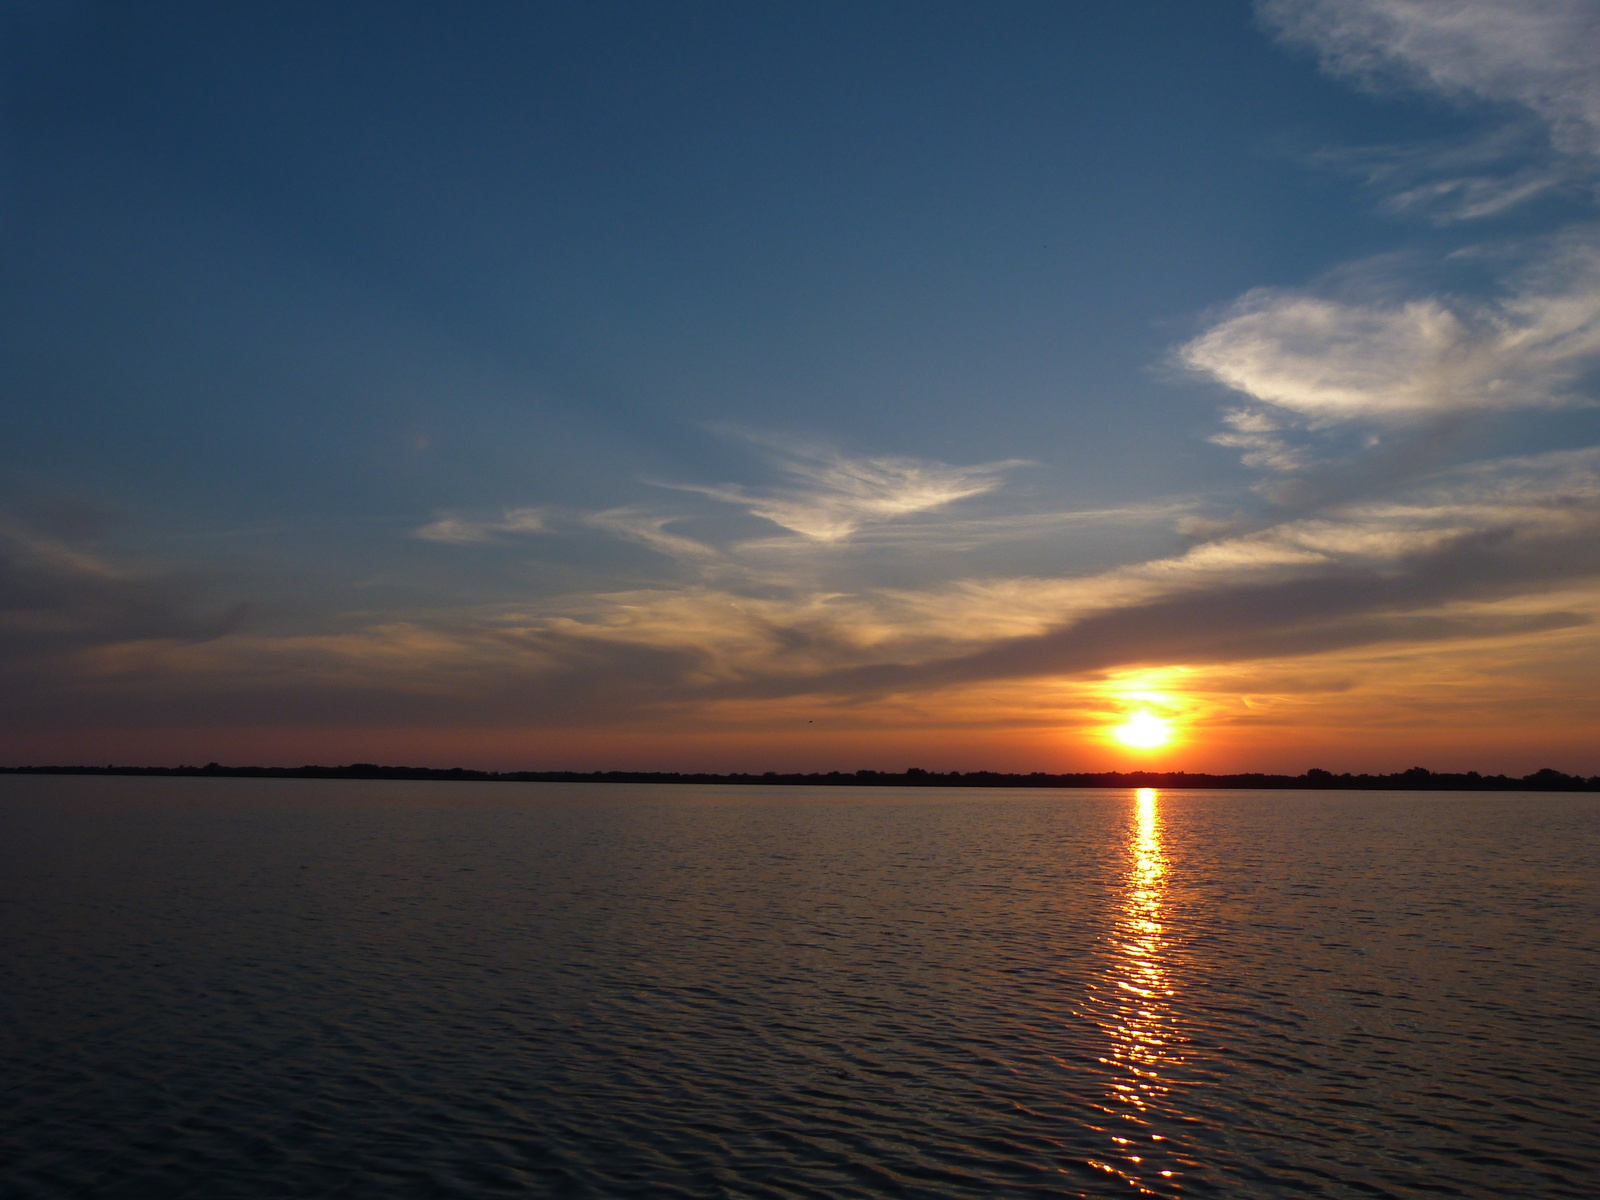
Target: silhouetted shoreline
{"x":1415,"y":779}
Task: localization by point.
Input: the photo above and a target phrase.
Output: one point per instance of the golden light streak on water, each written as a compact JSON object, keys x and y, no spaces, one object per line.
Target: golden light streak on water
{"x":1136,"y":1012}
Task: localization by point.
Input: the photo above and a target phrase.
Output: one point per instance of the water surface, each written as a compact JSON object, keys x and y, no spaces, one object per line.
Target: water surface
{"x":260,"y":988}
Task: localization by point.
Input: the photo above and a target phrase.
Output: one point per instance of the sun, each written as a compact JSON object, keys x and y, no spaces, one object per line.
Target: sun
{"x":1144,"y":730}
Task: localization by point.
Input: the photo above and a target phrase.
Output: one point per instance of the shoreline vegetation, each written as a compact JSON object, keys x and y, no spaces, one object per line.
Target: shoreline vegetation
{"x":1316,"y":779}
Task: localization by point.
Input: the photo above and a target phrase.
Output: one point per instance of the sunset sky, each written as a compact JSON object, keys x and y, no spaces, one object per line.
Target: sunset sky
{"x":802,"y":386}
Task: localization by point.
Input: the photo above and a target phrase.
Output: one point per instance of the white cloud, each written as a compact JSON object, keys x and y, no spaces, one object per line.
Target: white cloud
{"x":1481,"y":176}
{"x":1531,"y":63}
{"x":830,"y":496}
{"x":1257,"y":434}
{"x":648,"y":529}
{"x":1356,"y":575}
{"x":1539,"y":54}
{"x":464,"y":532}
{"x":799,"y":630}
{"x":1331,"y":360}
{"x":453,"y":530}
{"x":1468,"y":197}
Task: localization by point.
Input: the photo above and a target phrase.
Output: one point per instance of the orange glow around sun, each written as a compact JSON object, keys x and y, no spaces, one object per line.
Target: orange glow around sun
{"x":1144,"y":730}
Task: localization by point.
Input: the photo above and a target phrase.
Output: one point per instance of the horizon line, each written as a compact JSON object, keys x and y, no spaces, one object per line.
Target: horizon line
{"x":1314,"y":778}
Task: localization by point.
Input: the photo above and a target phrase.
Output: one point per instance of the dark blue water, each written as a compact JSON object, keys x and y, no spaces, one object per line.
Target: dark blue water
{"x":251,"y":988}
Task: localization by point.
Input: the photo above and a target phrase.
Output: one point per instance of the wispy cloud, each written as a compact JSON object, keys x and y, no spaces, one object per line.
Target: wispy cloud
{"x":1482,"y":531}
{"x":466,"y":531}
{"x":1260,"y":436}
{"x":1332,"y":360}
{"x":1538,"y":54}
{"x":1466,"y":179}
{"x":57,"y":599}
{"x":1372,"y":549}
{"x":1492,"y":563}
{"x":828,"y":496}
{"x":649,"y":530}
{"x":1529,"y":64}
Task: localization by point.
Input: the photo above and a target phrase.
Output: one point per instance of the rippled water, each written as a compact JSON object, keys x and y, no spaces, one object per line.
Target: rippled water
{"x":286,"y":988}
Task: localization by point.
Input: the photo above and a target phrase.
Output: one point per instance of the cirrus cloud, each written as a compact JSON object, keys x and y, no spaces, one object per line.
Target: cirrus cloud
{"x":1331,"y":360}
{"x":1538,"y":54}
{"x":827,"y":496}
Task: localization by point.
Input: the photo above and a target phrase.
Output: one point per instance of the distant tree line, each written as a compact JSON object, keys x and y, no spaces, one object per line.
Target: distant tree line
{"x":1416,"y":779}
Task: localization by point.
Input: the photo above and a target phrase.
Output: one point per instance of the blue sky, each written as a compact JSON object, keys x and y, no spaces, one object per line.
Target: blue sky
{"x":649,"y":382}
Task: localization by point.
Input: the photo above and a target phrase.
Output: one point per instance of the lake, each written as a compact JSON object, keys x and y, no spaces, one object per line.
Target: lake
{"x":269,"y":988}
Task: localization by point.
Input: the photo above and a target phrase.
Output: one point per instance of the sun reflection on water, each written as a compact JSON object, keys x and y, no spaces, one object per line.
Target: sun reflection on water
{"x":1134,"y":1007}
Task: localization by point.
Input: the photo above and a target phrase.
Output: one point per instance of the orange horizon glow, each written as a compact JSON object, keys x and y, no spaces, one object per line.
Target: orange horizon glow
{"x":1337,"y":712}
{"x":1053,"y":745}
